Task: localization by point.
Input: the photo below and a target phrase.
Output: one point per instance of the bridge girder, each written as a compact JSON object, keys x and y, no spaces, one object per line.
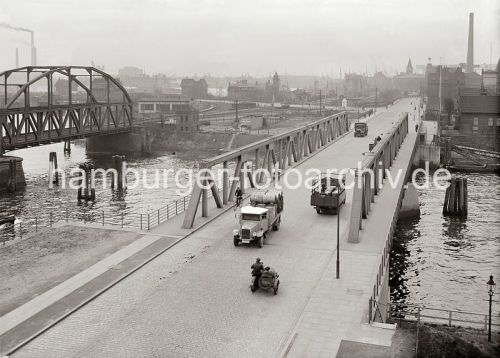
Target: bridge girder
{"x":25,"y":125}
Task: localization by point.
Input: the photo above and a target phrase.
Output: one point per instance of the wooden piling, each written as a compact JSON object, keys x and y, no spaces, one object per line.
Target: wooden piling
{"x":53,"y":168}
{"x":12,"y":181}
{"x":86,"y":190}
{"x":67,"y":146}
{"x":455,"y":201}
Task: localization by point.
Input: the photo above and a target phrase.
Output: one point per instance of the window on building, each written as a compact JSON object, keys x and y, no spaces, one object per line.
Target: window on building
{"x":147,"y":107}
{"x":476,"y":121}
{"x":164,"y":107}
{"x":490,"y":122}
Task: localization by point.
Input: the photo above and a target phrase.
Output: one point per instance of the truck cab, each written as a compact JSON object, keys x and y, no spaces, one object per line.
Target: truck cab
{"x":360,"y":129}
{"x":257,"y":219}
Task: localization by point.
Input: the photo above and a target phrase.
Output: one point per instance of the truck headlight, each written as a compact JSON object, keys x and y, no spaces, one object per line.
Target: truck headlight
{"x":235,"y":232}
{"x":254,"y":234}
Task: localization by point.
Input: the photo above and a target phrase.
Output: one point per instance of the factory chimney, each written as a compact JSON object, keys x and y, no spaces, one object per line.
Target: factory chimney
{"x":17,"y":57}
{"x":470,"y":48}
{"x":33,"y":49}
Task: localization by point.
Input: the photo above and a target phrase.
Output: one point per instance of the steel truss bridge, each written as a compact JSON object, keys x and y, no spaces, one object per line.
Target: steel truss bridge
{"x":102,"y":107}
{"x":273,"y":154}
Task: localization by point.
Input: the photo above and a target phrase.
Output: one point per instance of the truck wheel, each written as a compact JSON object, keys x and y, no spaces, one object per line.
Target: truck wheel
{"x":261,"y":241}
{"x":318,"y":210}
{"x":236,"y":242}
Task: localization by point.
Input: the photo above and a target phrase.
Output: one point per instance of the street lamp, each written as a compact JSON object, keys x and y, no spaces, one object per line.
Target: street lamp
{"x":491,"y":290}
{"x":338,"y":232}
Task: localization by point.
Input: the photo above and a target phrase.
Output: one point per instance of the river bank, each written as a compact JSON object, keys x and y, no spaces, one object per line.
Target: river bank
{"x":34,"y":265}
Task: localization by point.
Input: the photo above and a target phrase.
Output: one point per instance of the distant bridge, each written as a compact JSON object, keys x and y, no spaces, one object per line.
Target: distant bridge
{"x":104,"y":107}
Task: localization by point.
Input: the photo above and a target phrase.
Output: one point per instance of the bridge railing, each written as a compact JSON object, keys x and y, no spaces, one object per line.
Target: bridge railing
{"x":372,"y":173}
{"x":135,"y":220}
{"x":398,"y":311}
{"x":273,"y":154}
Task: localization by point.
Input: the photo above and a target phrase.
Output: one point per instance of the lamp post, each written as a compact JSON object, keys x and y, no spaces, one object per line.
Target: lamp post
{"x":491,"y":290}
{"x":338,"y":233}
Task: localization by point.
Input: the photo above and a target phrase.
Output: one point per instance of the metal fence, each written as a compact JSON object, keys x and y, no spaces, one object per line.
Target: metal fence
{"x":135,"y":220}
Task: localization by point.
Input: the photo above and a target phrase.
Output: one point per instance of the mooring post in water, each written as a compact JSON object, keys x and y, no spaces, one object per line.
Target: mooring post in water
{"x":119,"y":180}
{"x":12,"y":181}
{"x":86,"y":191}
{"x":455,"y":201}
{"x":53,"y":168}
{"x":67,"y":146}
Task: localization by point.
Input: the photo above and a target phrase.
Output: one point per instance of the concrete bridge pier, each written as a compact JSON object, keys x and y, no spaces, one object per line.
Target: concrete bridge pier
{"x":11,"y":173}
{"x":139,"y":140}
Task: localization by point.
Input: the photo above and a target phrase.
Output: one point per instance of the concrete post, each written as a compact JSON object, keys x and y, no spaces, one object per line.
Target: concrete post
{"x":204,"y":201}
{"x":225,"y":183}
{"x":242,"y":176}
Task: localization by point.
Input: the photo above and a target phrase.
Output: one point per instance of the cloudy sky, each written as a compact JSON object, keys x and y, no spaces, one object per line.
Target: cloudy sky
{"x":253,"y":37}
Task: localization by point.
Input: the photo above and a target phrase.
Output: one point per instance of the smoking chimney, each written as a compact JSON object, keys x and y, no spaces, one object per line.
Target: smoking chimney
{"x":17,"y":57}
{"x":33,"y":49}
{"x":470,"y":48}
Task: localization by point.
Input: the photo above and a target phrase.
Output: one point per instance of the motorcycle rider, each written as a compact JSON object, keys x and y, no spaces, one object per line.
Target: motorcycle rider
{"x":257,"y":269}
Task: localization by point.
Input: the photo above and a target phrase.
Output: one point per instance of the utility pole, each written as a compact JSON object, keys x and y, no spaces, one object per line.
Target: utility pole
{"x":337,"y":271}
{"x":236,"y":109}
{"x":320,"y":104}
{"x":376,"y":93}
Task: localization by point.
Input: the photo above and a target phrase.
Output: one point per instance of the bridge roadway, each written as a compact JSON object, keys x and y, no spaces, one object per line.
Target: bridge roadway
{"x":194,"y":299}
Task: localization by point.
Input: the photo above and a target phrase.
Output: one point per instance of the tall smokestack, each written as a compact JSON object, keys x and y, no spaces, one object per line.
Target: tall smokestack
{"x":33,"y":49}
{"x":470,"y":48}
{"x":17,"y":57}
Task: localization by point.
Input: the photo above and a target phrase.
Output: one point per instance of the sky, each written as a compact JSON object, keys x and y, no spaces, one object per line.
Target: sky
{"x":254,"y":37}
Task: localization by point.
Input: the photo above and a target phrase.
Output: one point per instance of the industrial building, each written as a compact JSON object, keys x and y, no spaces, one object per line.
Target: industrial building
{"x":167,"y":104}
{"x":195,"y":89}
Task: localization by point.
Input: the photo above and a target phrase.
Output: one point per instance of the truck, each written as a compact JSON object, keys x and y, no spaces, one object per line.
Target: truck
{"x":328,"y":193}
{"x":259,"y":218}
{"x":360,"y":129}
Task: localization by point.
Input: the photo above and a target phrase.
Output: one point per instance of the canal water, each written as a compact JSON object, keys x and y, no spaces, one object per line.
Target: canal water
{"x":437,"y":261}
{"x":37,"y":199}
{"x":444,"y":262}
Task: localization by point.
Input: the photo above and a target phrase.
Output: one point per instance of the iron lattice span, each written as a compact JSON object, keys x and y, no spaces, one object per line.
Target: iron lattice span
{"x":33,"y":112}
{"x":273,"y":154}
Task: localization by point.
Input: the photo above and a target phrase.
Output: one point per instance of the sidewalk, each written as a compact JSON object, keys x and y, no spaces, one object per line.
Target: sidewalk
{"x":338,"y":309}
{"x":36,"y":316}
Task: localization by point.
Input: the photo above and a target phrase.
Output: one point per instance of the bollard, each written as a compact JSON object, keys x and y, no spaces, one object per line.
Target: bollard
{"x":159,"y":216}
{"x":50,"y":218}
{"x":148,"y":222}
{"x":36,"y":223}
{"x":122,"y":219}
{"x":103,"y":218}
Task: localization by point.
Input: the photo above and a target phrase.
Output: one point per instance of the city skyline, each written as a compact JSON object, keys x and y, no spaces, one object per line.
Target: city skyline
{"x":193,"y":38}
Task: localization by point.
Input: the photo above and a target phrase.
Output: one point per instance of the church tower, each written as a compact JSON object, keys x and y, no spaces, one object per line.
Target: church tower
{"x":409,"y":67}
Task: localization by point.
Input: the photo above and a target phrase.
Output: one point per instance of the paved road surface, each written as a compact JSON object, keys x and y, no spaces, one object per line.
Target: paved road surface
{"x":194,"y":300}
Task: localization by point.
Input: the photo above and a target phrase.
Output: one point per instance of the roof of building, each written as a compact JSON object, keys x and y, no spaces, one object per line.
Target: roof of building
{"x":191,"y":81}
{"x":176,"y":99}
{"x":481,"y":104}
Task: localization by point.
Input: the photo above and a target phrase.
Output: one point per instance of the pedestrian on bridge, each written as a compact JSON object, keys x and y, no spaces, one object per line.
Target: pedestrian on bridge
{"x":239,"y":196}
